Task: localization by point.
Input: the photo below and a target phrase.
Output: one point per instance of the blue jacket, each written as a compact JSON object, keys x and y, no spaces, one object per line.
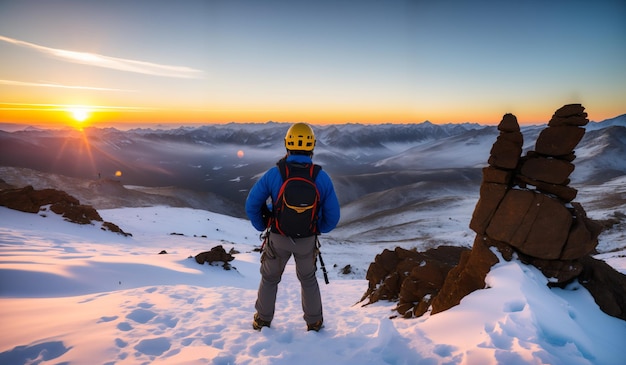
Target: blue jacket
{"x":269,"y":185}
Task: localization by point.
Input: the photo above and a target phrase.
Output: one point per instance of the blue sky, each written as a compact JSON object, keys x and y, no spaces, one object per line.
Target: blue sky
{"x":318,"y":62}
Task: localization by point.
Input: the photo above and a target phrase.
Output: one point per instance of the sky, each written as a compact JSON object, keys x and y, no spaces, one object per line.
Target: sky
{"x":320,"y":62}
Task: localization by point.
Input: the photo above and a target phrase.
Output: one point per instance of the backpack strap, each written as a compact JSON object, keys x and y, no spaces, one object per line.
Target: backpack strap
{"x":283,"y":167}
{"x":315,"y":172}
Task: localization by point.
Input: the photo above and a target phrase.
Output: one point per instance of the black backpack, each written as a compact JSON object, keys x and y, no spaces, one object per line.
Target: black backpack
{"x":295,"y":211}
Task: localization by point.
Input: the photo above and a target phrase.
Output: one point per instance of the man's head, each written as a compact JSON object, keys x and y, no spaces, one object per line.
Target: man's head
{"x":300,"y":139}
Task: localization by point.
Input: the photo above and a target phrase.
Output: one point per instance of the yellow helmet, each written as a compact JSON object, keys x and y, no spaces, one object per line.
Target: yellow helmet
{"x":300,"y":137}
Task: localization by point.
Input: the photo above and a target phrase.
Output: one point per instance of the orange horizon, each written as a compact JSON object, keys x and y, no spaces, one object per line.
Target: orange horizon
{"x":59,"y":115}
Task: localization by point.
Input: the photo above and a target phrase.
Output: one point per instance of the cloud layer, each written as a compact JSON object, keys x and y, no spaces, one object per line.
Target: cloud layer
{"x":54,"y":85}
{"x":114,"y":63}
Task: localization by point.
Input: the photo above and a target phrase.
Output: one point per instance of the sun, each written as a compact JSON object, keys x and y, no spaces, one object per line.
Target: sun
{"x":79,"y":114}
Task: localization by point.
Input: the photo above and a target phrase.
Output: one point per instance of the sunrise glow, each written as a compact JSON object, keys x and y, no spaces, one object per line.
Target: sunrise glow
{"x":79,"y":114}
{"x":384,"y":63}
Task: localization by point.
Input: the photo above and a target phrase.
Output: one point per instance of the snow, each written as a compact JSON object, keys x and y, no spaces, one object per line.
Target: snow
{"x":72,"y":294}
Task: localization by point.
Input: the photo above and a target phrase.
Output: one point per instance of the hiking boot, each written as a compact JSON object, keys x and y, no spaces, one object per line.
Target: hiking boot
{"x":258,"y":323}
{"x":316,"y":326}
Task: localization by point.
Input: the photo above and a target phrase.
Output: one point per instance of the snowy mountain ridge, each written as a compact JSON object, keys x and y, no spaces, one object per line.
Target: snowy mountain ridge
{"x":223,"y":161}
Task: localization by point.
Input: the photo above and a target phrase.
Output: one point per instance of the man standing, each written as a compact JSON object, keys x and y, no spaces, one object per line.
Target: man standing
{"x":284,"y":238}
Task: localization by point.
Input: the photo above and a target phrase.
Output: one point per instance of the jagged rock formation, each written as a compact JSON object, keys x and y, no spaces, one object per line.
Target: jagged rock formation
{"x":410,"y":276}
{"x":526,"y":204}
{"x":29,"y":200}
{"x":525,"y":209}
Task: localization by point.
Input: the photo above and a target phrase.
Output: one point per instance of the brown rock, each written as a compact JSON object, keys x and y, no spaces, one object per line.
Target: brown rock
{"x":579,"y":242}
{"x":416,"y":278}
{"x":384,"y":263}
{"x":507,"y":251}
{"x":82,"y":214}
{"x":418,"y":289}
{"x":569,"y":157}
{"x":29,"y":200}
{"x":390,"y":288}
{"x":570,"y":110}
{"x":490,"y":197}
{"x":216,"y":254}
{"x":388,"y":260}
{"x":515,"y":137}
{"x":595,"y":228}
{"x":19,"y":199}
{"x":108,"y":226}
{"x":606,"y":285}
{"x":583,"y":235}
{"x":509,"y":215}
{"x":549,"y":170}
{"x":559,"y":141}
{"x":533,"y":154}
{"x":509,"y":123}
{"x":519,"y":237}
{"x":551,"y":225}
{"x":527,"y":220}
{"x":468,"y":276}
{"x":422,"y":307}
{"x":574,"y":120}
{"x":427,"y":272}
{"x":498,"y":176}
{"x":407,"y":309}
{"x":412,"y":290}
{"x":505,"y":154}
{"x":563,"y":192}
{"x":404,"y":254}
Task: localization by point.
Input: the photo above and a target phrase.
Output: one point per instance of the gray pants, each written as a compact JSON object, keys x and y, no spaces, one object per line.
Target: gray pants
{"x":275,"y":255}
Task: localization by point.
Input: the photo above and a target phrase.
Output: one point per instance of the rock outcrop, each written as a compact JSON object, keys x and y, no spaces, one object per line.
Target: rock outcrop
{"x":525,"y":210}
{"x":412,"y":278}
{"x":216,"y":254}
{"x":528,"y":206}
{"x":29,"y":200}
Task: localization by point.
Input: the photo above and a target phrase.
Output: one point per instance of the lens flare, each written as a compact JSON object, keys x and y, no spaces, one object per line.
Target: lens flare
{"x":80,"y":114}
{"x":240,"y":153}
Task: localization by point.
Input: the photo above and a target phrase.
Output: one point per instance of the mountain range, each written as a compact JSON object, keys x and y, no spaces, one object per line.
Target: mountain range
{"x":382,"y":169}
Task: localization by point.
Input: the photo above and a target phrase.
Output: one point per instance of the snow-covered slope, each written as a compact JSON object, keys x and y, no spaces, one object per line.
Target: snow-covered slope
{"x":78,"y":295}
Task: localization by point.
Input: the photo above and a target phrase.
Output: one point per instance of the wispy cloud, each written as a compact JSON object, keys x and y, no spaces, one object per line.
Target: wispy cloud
{"x":115,"y":63}
{"x":53,"y":85}
{"x":65,"y":107}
